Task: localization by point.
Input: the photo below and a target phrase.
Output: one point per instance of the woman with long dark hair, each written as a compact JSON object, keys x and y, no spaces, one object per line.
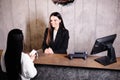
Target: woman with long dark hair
{"x":56,"y":36}
{"x":17,"y":64}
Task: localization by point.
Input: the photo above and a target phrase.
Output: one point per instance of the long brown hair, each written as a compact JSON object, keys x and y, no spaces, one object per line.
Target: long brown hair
{"x":61,"y":25}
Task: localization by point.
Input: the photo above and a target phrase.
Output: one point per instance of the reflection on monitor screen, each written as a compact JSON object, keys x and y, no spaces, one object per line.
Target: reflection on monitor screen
{"x":105,"y":44}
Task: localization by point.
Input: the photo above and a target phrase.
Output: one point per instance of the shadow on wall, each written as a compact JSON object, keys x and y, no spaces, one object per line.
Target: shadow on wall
{"x":34,"y":34}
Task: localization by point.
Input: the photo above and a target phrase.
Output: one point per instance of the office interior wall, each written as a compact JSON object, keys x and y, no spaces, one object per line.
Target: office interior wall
{"x":86,"y":21}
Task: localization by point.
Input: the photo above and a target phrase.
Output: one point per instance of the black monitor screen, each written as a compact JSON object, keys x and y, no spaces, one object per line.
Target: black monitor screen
{"x":105,"y":44}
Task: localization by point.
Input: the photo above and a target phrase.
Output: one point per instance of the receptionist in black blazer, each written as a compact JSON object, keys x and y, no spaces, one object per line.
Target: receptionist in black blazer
{"x":56,"y":37}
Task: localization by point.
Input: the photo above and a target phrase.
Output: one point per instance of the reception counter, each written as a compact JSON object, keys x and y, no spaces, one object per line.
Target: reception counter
{"x":60,"y":67}
{"x":63,"y":60}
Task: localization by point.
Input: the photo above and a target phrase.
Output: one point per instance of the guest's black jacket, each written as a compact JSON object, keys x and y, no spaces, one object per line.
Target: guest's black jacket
{"x":60,"y":44}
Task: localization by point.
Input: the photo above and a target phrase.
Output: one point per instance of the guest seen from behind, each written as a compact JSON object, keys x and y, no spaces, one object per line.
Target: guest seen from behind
{"x":14,"y":62}
{"x":56,"y":36}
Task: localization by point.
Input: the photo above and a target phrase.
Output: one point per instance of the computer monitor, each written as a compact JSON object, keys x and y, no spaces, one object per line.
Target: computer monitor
{"x":105,"y":44}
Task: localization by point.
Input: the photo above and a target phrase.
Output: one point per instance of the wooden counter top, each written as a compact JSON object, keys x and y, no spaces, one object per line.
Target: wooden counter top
{"x":62,"y":60}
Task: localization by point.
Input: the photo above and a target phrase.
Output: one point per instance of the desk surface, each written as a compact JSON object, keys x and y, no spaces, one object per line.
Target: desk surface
{"x":62,"y":60}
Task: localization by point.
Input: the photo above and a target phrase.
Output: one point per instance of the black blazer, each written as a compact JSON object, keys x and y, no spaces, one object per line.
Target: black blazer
{"x":60,"y":44}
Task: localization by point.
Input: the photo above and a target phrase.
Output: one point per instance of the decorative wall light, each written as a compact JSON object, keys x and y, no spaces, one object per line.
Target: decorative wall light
{"x":63,"y":2}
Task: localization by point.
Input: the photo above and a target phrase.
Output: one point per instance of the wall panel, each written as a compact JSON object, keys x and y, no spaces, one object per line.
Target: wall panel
{"x":106,"y":17}
{"x":52,"y":7}
{"x":6,"y":21}
{"x":117,"y":41}
{"x":86,"y":21}
{"x":41,"y":21}
{"x":85,"y":24}
{"x":68,"y":15}
{"x":20,"y":19}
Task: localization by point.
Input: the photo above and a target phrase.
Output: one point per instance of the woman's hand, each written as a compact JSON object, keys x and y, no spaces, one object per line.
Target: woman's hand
{"x":48,"y":51}
{"x":32,"y":57}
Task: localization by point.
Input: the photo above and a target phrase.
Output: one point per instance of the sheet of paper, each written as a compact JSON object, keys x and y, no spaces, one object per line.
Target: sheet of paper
{"x":33,"y":52}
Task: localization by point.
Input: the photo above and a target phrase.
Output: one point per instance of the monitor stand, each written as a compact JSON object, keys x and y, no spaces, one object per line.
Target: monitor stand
{"x":109,"y":59}
{"x":105,"y":60}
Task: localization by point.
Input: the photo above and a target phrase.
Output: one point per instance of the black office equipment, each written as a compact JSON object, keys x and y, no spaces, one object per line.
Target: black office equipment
{"x":105,"y":44}
{"x":78,"y":55}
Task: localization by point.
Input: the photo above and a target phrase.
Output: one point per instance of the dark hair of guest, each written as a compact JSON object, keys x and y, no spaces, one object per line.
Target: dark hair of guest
{"x":13,"y":54}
